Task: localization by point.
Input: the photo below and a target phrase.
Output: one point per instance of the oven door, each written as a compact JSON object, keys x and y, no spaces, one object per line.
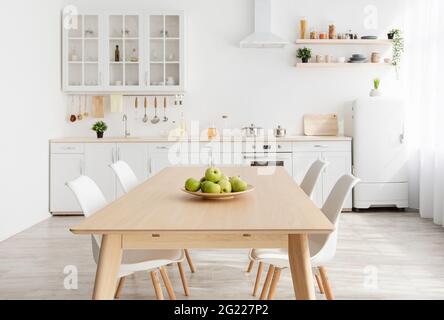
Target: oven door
{"x":270,"y":160}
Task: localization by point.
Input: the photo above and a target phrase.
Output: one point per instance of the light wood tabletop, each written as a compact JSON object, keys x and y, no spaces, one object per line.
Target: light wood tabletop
{"x":158,"y":215}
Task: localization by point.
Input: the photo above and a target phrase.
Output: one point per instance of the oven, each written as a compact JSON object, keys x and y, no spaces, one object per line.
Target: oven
{"x":266,"y":155}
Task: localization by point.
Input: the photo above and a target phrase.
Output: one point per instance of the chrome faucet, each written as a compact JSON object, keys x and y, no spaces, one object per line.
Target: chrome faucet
{"x":125,"y":120}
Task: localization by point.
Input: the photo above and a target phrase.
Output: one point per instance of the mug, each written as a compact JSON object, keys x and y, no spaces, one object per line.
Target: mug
{"x":319,"y":59}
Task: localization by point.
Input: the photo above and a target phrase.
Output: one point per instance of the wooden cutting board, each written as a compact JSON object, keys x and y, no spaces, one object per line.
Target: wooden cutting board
{"x":98,"y":107}
{"x":321,"y":125}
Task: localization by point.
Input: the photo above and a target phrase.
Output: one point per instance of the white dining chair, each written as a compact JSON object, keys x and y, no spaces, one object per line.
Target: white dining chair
{"x":308,"y":185}
{"x":128,"y":180}
{"x":312,"y":177}
{"x":91,"y":200}
{"x":322,"y":247}
{"x":126,"y":176}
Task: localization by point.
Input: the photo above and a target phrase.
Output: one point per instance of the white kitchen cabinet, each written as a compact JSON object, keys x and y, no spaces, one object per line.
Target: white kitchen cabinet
{"x":98,"y":157}
{"x":136,"y":155}
{"x":164,"y":155}
{"x":151,"y":50}
{"x":64,"y":168}
{"x":66,"y":164}
{"x":302,"y":162}
{"x":339,"y":164}
{"x":336,"y":153}
{"x":83,"y":53}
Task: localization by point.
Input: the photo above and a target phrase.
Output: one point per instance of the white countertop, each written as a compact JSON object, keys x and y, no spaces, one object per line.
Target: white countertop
{"x":158,"y":139}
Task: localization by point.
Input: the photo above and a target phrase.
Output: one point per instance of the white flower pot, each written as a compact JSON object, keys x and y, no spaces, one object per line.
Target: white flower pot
{"x":375,"y":93}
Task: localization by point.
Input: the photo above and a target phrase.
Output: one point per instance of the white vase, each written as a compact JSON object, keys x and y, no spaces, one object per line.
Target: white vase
{"x":375,"y":93}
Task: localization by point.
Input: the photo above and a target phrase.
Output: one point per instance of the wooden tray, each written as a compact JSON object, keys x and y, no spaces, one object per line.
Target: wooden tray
{"x":220,"y":196}
{"x":321,"y":125}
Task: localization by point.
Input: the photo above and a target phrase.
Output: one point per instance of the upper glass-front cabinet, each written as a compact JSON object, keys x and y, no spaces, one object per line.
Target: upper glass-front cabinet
{"x":82,"y":53}
{"x":125,"y":53}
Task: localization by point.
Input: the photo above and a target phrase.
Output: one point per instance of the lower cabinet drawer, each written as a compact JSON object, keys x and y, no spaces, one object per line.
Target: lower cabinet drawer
{"x":323,"y":146}
{"x":67,"y":148}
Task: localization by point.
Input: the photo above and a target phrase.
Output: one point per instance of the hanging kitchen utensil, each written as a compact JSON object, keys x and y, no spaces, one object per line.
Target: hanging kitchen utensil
{"x":73,"y":117}
{"x":165,"y":102}
{"x":136,"y":103}
{"x":156,"y":119}
{"x":80,"y":115}
{"x":98,"y":110}
{"x":145,"y":105}
{"x":86,"y":113}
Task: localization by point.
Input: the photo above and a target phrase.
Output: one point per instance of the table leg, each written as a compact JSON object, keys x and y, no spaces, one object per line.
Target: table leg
{"x":299,"y":256}
{"x":108,"y":267}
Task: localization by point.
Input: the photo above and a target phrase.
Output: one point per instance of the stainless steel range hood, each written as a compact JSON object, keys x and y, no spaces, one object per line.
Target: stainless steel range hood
{"x":262,"y":36}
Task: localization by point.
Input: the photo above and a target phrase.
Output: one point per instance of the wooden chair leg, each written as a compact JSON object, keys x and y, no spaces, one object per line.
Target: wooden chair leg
{"x":267,"y":282}
{"x":190,"y":262}
{"x":119,"y":288}
{"x":156,"y":285}
{"x":167,"y":282}
{"x":250,"y":266}
{"x":260,"y":269}
{"x":274,"y":282}
{"x":320,"y":285}
{"x":326,"y":283}
{"x":184,"y":279}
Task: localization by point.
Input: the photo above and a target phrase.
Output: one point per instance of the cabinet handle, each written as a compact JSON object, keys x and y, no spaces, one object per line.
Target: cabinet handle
{"x":162,"y":148}
{"x":118,"y":154}
{"x":321,"y":146}
{"x":150,"y":166}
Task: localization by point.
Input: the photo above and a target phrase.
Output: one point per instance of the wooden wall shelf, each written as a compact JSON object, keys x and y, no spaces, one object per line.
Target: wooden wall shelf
{"x":340,"y":65}
{"x":379,"y":42}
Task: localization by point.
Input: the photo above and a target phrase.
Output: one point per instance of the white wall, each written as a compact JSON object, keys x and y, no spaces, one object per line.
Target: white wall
{"x":32,"y":109}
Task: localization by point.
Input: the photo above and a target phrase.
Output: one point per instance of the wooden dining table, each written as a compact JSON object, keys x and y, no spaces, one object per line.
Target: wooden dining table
{"x":158,"y":215}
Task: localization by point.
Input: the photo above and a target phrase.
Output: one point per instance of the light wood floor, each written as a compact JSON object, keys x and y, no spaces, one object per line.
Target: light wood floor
{"x":405,"y":253}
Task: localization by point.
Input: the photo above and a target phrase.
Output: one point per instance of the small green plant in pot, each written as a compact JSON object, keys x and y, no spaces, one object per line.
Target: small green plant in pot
{"x":100,"y":127}
{"x":304,"y":54}
{"x":375,"y":91}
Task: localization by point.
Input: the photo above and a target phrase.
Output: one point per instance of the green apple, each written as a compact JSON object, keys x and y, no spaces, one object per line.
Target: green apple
{"x":213,"y":175}
{"x":239,"y":186}
{"x":211,"y":187}
{"x":192,"y":185}
{"x":225,"y":186}
{"x":224,"y":177}
{"x":232,"y":179}
{"x":203,"y":186}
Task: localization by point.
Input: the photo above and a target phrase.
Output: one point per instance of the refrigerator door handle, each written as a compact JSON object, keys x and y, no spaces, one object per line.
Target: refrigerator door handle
{"x":402,"y":136}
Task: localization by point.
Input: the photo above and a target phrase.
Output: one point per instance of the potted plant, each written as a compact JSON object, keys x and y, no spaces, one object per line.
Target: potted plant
{"x":100,"y":127}
{"x":398,"y":48}
{"x":375,"y":91}
{"x":304,"y":54}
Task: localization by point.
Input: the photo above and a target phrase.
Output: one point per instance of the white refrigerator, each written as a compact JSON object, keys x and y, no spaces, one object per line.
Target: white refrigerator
{"x":380,"y":153}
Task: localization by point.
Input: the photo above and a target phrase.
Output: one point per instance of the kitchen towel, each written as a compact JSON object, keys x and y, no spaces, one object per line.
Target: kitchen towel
{"x":116,"y":103}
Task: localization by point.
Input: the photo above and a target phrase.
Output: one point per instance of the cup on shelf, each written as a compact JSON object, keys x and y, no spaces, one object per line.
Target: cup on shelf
{"x":319,"y":59}
{"x":170,"y":81}
{"x":328,"y":59}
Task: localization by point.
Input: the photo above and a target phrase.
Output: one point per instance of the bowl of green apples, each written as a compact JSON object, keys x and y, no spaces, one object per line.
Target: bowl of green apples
{"x":215,"y":185}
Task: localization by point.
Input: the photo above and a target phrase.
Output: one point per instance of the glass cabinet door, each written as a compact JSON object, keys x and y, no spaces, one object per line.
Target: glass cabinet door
{"x":165,"y":43}
{"x":83,"y":52}
{"x":124,"y":50}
